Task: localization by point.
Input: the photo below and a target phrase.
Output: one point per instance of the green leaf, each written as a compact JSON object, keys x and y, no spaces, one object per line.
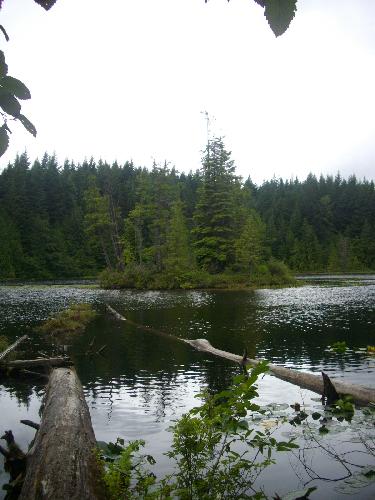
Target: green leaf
{"x":279,"y":14}
{"x":3,"y":65}
{"x":27,"y":124}
{"x":10,"y":105}
{"x":4,"y":140}
{"x":46,"y":4}
{"x":102,"y":445}
{"x":150,"y":459}
{"x":14,"y":86}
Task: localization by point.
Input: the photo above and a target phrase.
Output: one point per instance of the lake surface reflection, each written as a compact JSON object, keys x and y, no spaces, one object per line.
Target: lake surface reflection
{"x":145,"y":381}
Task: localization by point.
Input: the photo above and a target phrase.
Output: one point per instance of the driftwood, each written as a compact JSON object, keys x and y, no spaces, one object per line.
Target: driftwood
{"x":145,"y":328}
{"x":12,"y":347}
{"x":44,"y":362}
{"x":360,"y":395}
{"x":62,"y":463}
{"x":115,"y":313}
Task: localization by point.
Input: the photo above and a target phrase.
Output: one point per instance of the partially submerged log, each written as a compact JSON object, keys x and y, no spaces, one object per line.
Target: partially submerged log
{"x":144,"y":328}
{"x":12,"y":347}
{"x":43,"y":362}
{"x":360,"y":395}
{"x":115,"y":313}
{"x":62,"y":463}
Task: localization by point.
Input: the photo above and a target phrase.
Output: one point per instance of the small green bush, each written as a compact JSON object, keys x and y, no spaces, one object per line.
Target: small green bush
{"x":135,"y":276}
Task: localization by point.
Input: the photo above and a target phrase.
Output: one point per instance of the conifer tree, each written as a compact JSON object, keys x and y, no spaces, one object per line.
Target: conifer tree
{"x":99,"y":226}
{"x":249,"y":246}
{"x":178,"y":255}
{"x":214,"y":215}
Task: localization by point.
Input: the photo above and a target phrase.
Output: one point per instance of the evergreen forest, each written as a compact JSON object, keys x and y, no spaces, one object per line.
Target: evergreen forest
{"x":160,"y":228}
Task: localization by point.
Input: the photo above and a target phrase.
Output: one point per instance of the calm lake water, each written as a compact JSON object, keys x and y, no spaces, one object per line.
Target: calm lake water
{"x":144,"y":381}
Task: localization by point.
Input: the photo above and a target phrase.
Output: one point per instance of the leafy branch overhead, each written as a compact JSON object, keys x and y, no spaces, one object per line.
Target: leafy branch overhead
{"x":11,"y":90}
{"x":279,"y":13}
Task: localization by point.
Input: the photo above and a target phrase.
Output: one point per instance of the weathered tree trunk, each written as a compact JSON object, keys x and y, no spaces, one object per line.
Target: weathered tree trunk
{"x":62,"y":464}
{"x":361,"y":395}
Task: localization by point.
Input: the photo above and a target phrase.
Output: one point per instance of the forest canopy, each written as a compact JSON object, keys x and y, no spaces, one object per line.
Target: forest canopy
{"x":74,"y":220}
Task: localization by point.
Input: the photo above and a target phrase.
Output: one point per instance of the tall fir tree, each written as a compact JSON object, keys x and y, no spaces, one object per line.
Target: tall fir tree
{"x":214,"y":215}
{"x":178,"y":258}
{"x":249,"y":246}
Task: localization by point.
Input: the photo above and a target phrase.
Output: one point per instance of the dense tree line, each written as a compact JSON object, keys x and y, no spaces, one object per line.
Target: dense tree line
{"x":76,"y":220}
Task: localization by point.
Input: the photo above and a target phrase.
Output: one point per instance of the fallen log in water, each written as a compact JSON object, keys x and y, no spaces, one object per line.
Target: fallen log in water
{"x":145,"y":328}
{"x":115,"y":313}
{"x":12,"y":347}
{"x":44,"y":362}
{"x":360,"y":395}
{"x":62,"y":463}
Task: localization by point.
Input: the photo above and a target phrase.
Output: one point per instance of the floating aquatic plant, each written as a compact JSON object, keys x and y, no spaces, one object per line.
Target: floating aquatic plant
{"x":72,"y":320}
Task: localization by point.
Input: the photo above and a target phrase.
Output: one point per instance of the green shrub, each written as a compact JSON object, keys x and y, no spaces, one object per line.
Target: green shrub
{"x":112,"y":279}
{"x":215,"y":452}
{"x":134,"y":276}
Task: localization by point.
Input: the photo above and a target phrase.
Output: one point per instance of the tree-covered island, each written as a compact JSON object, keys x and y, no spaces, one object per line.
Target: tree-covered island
{"x":160,"y":228}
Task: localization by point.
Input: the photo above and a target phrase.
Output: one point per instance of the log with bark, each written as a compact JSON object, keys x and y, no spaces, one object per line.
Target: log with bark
{"x":62,"y":462}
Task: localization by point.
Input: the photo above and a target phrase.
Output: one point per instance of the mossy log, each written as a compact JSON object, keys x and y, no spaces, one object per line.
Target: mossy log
{"x":360,"y":395}
{"x":62,"y":462}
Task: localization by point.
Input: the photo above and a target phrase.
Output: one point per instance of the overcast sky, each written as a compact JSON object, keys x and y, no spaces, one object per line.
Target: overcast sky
{"x":129,"y":79}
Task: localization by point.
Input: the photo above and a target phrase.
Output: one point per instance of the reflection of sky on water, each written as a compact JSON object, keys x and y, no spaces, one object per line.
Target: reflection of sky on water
{"x":145,"y":382}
